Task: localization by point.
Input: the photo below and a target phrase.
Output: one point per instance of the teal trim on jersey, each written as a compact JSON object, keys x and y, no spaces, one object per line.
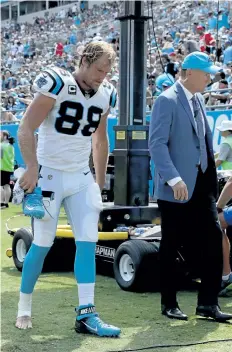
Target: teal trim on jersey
{"x":59,"y":82}
{"x":114,"y":98}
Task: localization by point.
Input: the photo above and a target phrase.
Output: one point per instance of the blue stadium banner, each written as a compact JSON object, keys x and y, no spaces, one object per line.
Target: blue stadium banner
{"x":215,"y":118}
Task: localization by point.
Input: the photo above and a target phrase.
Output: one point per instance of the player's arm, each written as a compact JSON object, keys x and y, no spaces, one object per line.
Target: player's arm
{"x":100,"y":147}
{"x":225,"y":195}
{"x":36,"y":113}
{"x":32,"y":119}
{"x":48,"y":88}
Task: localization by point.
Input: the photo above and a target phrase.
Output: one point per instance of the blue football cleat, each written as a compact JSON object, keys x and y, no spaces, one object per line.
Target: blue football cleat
{"x":33,"y":204}
{"x":88,"y":322}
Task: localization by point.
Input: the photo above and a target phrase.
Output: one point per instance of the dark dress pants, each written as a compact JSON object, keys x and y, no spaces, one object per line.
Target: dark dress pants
{"x":195,"y":225}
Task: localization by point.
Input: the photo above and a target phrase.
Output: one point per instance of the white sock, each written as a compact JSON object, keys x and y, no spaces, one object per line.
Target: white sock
{"x":86,"y":294}
{"x":24,"y":306}
{"x":7,"y":190}
{"x":226,"y":277}
{"x":3,"y":200}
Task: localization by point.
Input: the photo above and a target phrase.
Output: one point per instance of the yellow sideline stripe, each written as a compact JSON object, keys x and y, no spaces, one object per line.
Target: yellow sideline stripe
{"x":65,"y":231}
{"x":101,"y":235}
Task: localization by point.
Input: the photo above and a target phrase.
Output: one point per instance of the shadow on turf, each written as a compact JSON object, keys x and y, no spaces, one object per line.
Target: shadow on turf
{"x":166,"y":333}
{"x":103,"y":269}
{"x":53,"y":322}
{"x":12,"y":271}
{"x":54,"y":316}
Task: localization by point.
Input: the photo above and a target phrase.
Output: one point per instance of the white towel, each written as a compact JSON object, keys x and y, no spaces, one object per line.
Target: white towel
{"x":18,"y":192}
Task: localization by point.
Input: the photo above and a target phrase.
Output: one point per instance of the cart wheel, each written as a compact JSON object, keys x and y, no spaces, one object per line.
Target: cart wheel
{"x":133,"y":263}
{"x":20,"y":246}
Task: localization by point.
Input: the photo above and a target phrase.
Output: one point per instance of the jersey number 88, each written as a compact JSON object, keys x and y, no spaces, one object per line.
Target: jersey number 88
{"x":74,"y":120}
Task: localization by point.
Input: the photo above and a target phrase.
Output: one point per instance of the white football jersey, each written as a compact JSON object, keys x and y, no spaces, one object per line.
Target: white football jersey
{"x":64,"y":138}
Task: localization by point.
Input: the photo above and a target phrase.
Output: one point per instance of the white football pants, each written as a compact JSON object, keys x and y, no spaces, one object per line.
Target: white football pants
{"x":82,"y":201}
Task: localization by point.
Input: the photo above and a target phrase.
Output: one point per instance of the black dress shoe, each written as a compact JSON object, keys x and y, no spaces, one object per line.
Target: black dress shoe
{"x":174,"y":313}
{"x":213,"y":312}
{"x":4,"y":205}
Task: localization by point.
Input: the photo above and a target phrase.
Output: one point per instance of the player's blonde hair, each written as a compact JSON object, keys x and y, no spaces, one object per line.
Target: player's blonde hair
{"x":94,"y":50}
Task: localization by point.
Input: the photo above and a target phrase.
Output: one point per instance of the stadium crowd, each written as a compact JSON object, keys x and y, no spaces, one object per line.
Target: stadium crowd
{"x":178,"y":28}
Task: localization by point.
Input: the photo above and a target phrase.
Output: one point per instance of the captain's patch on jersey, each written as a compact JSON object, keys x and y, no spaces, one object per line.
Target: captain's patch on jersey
{"x":41,"y":82}
{"x":72,"y":90}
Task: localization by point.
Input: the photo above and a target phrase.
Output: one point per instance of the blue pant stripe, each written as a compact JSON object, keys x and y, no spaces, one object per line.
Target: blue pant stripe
{"x":84,"y":266}
{"x":32,"y":267}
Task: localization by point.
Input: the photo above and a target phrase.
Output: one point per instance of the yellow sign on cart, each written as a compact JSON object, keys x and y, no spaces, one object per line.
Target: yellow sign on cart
{"x":120,"y":135}
{"x":139,"y":135}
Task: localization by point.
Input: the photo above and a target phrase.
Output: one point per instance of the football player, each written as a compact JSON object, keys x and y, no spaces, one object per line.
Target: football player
{"x":70,"y":111}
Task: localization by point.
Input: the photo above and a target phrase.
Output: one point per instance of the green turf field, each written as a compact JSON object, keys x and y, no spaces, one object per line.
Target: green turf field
{"x":137,"y":314}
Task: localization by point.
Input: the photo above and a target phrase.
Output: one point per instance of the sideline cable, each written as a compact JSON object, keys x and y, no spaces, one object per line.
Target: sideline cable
{"x":171,"y":345}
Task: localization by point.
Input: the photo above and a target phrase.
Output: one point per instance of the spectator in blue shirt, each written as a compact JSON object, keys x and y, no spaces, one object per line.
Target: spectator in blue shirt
{"x":177,"y":39}
{"x":212,"y":21}
{"x":10,"y":81}
{"x":73,"y":39}
{"x":227,"y":53}
{"x":26,"y":50}
{"x":223,"y":19}
{"x":11,"y":103}
{"x":77,"y":21}
{"x":67,"y":48}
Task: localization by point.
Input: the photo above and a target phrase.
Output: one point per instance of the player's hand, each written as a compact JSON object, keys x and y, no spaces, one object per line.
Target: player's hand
{"x":180,"y":191}
{"x":29,"y":179}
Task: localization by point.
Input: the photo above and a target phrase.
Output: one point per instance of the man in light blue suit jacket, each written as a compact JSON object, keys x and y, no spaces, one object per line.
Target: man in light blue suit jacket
{"x":173,"y":144}
{"x":180,"y":144}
